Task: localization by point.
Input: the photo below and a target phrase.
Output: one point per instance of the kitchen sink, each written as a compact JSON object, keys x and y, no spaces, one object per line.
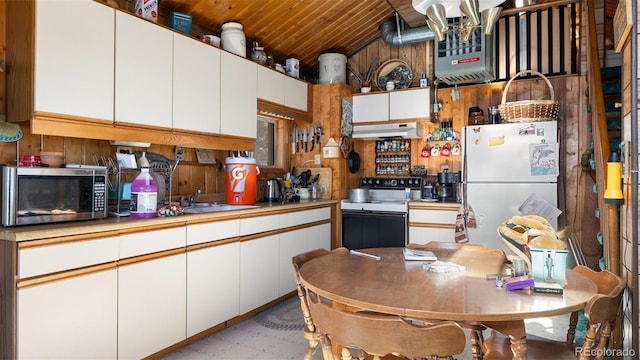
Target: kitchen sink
{"x":201,"y":208}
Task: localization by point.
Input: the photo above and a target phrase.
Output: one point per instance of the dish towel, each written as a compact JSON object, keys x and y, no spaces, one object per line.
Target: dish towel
{"x":442,"y":266}
{"x":461,"y":229}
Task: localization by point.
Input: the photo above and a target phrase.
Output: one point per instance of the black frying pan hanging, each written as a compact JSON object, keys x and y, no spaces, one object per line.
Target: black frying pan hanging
{"x":354,"y":161}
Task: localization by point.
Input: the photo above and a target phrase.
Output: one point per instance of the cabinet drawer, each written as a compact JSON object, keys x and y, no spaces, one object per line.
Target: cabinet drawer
{"x":53,"y":258}
{"x":423,"y":235}
{"x":303,"y":217}
{"x":152,"y":241}
{"x":259,"y":224}
{"x":433,"y":216}
{"x":218,"y":230}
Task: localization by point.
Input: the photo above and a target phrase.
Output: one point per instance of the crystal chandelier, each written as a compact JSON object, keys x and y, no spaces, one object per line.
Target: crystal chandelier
{"x":472,"y":14}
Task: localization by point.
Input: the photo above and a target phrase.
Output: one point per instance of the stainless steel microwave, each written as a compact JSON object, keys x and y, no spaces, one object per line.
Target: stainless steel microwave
{"x":39,"y":195}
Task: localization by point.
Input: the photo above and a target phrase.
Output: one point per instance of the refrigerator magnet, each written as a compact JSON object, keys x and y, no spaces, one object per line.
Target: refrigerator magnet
{"x":496,"y":140}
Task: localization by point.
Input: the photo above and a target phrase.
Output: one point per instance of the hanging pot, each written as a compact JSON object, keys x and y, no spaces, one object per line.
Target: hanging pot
{"x":354,"y":162}
{"x":359,"y":195}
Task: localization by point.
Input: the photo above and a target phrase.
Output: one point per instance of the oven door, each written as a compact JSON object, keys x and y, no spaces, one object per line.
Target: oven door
{"x":371,"y":229}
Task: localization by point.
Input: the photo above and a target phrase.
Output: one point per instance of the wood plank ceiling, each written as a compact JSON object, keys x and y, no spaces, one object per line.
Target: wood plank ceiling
{"x":303,"y":29}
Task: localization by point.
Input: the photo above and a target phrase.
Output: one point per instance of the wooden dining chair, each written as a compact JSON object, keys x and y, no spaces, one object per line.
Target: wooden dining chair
{"x":310,"y":330}
{"x":465,"y":254}
{"x":378,"y":335}
{"x":601,"y":311}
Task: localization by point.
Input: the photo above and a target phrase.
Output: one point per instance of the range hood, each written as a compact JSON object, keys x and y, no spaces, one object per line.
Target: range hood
{"x":404,"y":130}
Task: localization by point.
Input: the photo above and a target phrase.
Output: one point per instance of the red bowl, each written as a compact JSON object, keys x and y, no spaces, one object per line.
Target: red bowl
{"x":29,"y":160}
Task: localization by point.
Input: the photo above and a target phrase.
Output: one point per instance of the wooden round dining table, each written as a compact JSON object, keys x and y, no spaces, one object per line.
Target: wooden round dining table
{"x":395,"y":286}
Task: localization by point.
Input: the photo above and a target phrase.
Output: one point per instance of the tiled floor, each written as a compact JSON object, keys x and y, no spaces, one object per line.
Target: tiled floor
{"x":251,"y":340}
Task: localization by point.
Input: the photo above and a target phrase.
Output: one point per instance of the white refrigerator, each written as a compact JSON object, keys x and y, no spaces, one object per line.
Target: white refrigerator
{"x":504,"y":166}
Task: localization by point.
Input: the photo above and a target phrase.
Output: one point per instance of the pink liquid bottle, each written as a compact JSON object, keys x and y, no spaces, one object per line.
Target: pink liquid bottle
{"x":144,"y":196}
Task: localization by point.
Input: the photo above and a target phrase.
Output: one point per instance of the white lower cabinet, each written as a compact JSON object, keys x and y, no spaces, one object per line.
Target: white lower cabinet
{"x":438,"y":224}
{"x":320,"y":236}
{"x":213,"y":286}
{"x":297,"y":242}
{"x":142,"y":292}
{"x":151,"y":306}
{"x":259,"y":265}
{"x":74,"y":318}
{"x":292,"y":243}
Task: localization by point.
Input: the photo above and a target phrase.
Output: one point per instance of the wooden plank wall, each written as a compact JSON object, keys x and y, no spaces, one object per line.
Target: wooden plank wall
{"x":418,"y":56}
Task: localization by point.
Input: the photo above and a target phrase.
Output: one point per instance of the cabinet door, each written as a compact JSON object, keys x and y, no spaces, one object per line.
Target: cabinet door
{"x":74,"y":318}
{"x":297,"y":242}
{"x":319,"y":237}
{"x":371,"y":107}
{"x":432,"y":225}
{"x":151,"y":306}
{"x":213,"y":286}
{"x":239,"y":94}
{"x":292,"y":243}
{"x":295,"y":93}
{"x":143,"y":75}
{"x":425,"y":234}
{"x":196,"y":85}
{"x":258,"y":272}
{"x":271,"y":85}
{"x":409,"y":104}
{"x":74,"y":58}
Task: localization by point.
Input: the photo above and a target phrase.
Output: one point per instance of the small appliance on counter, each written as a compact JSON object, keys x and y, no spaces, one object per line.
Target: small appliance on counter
{"x":448,"y":186}
{"x":273,"y":191}
{"x":40,"y":195}
{"x":430,"y":191}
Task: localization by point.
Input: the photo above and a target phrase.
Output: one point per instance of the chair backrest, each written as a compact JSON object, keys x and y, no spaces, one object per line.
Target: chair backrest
{"x":603,"y":306}
{"x":300,"y":259}
{"x":310,"y":331}
{"x":475,"y":257}
{"x":381,"y":334}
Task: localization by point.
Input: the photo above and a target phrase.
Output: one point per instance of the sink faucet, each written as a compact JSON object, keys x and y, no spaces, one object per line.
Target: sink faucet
{"x":194,"y":197}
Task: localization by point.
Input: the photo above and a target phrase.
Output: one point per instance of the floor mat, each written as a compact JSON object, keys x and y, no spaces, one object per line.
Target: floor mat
{"x":286,"y":315}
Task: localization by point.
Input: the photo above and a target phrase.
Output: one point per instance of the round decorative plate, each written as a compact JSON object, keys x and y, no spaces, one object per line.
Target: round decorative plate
{"x":10,"y":132}
{"x":395,"y":70}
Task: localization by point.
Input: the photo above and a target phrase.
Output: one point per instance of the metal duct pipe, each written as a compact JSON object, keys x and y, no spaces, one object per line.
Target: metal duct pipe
{"x":394,"y":37}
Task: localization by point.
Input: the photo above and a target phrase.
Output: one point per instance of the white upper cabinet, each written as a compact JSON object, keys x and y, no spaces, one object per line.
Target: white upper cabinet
{"x":74,"y":58}
{"x":371,"y":107}
{"x":394,"y":105}
{"x":239,"y":94}
{"x":143,"y":72}
{"x":281,"y":89}
{"x":270,"y":85}
{"x":196,"y":85}
{"x":409,"y":104}
{"x":295,"y":93}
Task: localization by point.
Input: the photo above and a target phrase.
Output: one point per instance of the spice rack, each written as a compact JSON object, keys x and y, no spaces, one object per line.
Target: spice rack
{"x":393,"y":157}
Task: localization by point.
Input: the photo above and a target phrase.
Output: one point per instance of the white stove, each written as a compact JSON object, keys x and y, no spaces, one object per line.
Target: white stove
{"x":383,"y":221}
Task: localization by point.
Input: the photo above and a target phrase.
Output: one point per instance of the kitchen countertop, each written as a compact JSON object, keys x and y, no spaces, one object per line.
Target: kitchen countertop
{"x":126,"y":224}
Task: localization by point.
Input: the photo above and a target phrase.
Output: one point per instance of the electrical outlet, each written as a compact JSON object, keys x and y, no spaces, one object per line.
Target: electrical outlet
{"x":179,"y":150}
{"x":316,"y":159}
{"x":123,"y":150}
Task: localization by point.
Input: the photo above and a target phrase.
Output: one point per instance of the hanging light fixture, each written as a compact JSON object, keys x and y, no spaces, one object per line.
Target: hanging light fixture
{"x":472,"y":14}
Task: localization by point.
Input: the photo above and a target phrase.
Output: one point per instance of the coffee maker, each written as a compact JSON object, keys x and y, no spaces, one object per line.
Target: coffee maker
{"x":448,"y":186}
